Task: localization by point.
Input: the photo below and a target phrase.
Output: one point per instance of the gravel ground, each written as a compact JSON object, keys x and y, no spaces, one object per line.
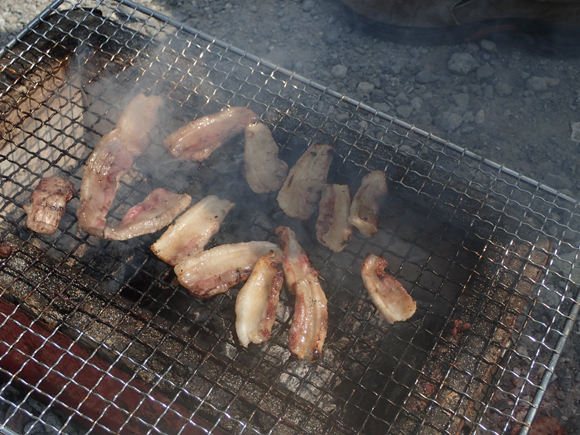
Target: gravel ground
{"x":497,"y":97}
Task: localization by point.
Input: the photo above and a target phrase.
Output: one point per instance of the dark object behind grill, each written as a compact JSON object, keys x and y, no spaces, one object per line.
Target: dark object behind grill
{"x":467,"y":238}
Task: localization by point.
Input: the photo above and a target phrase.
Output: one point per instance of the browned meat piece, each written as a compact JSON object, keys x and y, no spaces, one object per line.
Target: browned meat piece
{"x":192,"y":230}
{"x":263,"y":170}
{"x":257,"y":301}
{"x":216,"y":270}
{"x":294,"y":261}
{"x":198,"y":139}
{"x":301,"y":191}
{"x":388,"y":294}
{"x":332,"y":227}
{"x":364,"y":210}
{"x":47,"y":204}
{"x":111,"y":159}
{"x":155,"y":212}
{"x":310,"y":321}
{"x":7,"y":249}
{"x":106,"y":166}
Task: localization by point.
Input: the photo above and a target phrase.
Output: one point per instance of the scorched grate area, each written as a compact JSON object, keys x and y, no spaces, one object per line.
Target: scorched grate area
{"x":102,"y":330}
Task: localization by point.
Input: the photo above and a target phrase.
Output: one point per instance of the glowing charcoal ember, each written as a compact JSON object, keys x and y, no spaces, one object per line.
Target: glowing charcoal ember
{"x":388,"y":294}
{"x":301,"y":191}
{"x":263,"y":170}
{"x":155,"y":212}
{"x":201,"y":137}
{"x":192,"y":230}
{"x":257,"y":301}
{"x":214,"y":271}
{"x":364,"y":210}
{"x":332,"y":227}
{"x":47,"y":204}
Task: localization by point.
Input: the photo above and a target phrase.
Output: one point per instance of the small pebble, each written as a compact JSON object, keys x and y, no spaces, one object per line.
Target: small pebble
{"x":404,"y":111}
{"x":462,"y":100}
{"x":365,"y":87}
{"x":425,"y":76}
{"x":488,"y":45}
{"x":503,"y":89}
{"x":308,"y":5}
{"x":448,"y":121}
{"x":537,"y":84}
{"x":462,"y":63}
{"x":484,"y":72}
{"x":339,"y":71}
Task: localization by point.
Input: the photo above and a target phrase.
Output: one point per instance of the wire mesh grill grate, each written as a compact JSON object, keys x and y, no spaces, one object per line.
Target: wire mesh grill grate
{"x":102,"y":332}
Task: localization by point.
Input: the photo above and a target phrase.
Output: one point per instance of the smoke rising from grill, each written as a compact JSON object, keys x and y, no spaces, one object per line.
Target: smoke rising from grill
{"x":458,"y":251}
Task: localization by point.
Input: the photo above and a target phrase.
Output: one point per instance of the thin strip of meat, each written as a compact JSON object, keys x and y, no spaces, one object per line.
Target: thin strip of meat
{"x":201,"y":137}
{"x":192,"y":230}
{"x":263,"y":170}
{"x":364,"y":210}
{"x":257,"y":301}
{"x":294,"y":261}
{"x":111,"y":159}
{"x":216,"y":270}
{"x":310,"y":321}
{"x":137,"y":121}
{"x":155,"y":212}
{"x":47,"y":204}
{"x":301,"y":191}
{"x":332,"y":227}
{"x":388,"y":294}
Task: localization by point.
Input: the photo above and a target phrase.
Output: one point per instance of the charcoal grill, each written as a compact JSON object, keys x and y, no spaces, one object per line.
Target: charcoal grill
{"x":102,"y":332}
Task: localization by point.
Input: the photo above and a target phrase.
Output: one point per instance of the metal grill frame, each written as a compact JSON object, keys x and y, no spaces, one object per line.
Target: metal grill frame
{"x":425,"y":170}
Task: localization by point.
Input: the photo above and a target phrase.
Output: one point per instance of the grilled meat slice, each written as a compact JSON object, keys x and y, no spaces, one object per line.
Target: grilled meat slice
{"x":47,"y":204}
{"x":301,"y":191}
{"x":257,"y":301}
{"x":332,"y":227}
{"x":263,"y":170}
{"x":201,"y":137}
{"x":111,"y":159}
{"x":216,"y":270}
{"x":155,"y":212}
{"x":137,"y":121}
{"x":294,"y":261}
{"x":192,"y":230}
{"x":310,"y":321}
{"x":388,"y":294}
{"x":364,"y":210}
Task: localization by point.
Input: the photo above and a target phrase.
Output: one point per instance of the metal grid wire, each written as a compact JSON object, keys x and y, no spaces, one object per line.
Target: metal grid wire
{"x":102,"y":332}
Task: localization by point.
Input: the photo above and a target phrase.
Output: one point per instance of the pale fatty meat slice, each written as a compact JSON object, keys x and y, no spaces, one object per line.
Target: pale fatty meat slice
{"x":257,"y":301}
{"x":301,"y":191}
{"x":192,"y":230}
{"x":364,"y":210}
{"x":263,"y":170}
{"x":47,"y":204}
{"x":155,"y":212}
{"x":214,"y":271}
{"x":332,"y":227}
{"x":197,"y":140}
{"x":388,"y":294}
{"x":111,"y":159}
